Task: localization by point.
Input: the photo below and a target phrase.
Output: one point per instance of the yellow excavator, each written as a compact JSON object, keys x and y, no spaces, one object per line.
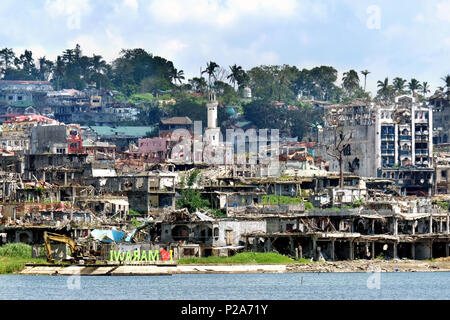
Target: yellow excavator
{"x":78,"y":251}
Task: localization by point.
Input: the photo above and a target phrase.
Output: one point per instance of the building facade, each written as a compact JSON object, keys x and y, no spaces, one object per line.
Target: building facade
{"x":392,"y":141}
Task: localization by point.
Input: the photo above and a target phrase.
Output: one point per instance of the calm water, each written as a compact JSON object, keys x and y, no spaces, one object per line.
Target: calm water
{"x":417,"y":285}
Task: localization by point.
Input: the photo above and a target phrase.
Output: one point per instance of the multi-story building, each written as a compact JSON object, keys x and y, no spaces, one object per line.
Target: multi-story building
{"x":392,"y":141}
{"x":23,"y":97}
{"x":56,"y":138}
{"x":16,"y":131}
{"x":440,"y":101}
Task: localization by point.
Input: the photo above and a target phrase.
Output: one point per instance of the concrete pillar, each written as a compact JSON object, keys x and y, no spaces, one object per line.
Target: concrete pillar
{"x":65,"y":178}
{"x":413,"y":251}
{"x":440,"y":225}
{"x":291,"y":246}
{"x":373,"y":250}
{"x":314,"y":248}
{"x":373,"y":226}
{"x":255,"y":244}
{"x":431,"y":248}
{"x":431,"y":224}
{"x":395,"y":250}
{"x":351,"y":250}
{"x":448,"y":223}
{"x":395,"y":226}
{"x":447,"y":249}
{"x":333,"y":256}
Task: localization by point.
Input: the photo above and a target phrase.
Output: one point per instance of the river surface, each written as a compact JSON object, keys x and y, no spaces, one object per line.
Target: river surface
{"x":296,"y":286}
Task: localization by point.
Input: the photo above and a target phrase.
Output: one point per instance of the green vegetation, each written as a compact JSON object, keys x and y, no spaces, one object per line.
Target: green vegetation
{"x":190,"y":197}
{"x":309,"y":206}
{"x":14,"y":256}
{"x":133,"y":212}
{"x":303,"y":260}
{"x":135,"y":222}
{"x":241,"y":258}
{"x":442,"y":204}
{"x":354,"y":204}
{"x":217,"y":212}
{"x":275,"y":199}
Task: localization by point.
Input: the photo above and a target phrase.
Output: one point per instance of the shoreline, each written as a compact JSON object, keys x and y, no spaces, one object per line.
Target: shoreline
{"x":314,"y":267}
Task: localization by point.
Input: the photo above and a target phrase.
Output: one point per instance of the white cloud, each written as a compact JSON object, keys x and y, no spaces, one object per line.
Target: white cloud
{"x":443,"y":11}
{"x":95,"y":44}
{"x":170,"y":49}
{"x":133,"y":4}
{"x":73,"y":10}
{"x":229,"y":12}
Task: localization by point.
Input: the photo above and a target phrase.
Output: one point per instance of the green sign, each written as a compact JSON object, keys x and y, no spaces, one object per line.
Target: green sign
{"x":140,"y":256}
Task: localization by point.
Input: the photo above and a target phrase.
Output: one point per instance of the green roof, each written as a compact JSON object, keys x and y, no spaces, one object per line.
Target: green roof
{"x":136,"y":132}
{"x":20,"y":104}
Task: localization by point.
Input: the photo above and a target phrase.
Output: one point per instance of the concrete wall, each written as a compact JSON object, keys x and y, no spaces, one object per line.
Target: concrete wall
{"x":237,"y":228}
{"x":44,"y":137}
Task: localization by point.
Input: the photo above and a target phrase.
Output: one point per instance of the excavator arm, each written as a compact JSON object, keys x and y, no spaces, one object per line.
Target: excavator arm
{"x":59,"y":238}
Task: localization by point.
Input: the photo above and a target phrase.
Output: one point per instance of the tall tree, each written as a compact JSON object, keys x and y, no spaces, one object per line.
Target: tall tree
{"x":235,"y":75}
{"x":7,"y":57}
{"x":365,"y":73}
{"x":385,"y":89}
{"x":425,"y":88}
{"x":45,"y":69}
{"x":350,"y":80}
{"x":414,"y":85}
{"x":399,"y":85}
{"x":446,"y":79}
{"x":210,"y":70}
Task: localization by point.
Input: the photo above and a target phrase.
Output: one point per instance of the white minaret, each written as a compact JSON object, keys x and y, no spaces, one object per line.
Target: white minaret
{"x":212,"y":132}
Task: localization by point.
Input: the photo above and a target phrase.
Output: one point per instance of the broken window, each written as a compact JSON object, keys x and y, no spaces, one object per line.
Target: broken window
{"x":229,"y":237}
{"x":347,"y":150}
{"x":188,"y":252}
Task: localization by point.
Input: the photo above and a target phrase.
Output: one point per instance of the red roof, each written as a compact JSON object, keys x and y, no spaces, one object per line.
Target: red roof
{"x":30,"y":118}
{"x":23,"y":82}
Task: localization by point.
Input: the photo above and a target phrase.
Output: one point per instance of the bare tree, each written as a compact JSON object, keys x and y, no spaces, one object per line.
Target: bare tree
{"x":343,"y":136}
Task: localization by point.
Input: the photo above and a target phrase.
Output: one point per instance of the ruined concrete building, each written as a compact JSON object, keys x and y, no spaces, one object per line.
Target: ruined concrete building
{"x":440,"y":101}
{"x":391,"y":141}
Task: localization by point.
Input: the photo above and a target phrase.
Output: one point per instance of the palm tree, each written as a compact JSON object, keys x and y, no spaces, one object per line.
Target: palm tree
{"x":210,"y":70}
{"x":413,"y":85}
{"x":425,"y":88}
{"x":235,"y":75}
{"x":176,"y":75}
{"x":365,"y":73}
{"x":399,"y":85}
{"x":98,"y":64}
{"x":385,"y":89}
{"x":447,"y":80}
{"x":350,"y":80}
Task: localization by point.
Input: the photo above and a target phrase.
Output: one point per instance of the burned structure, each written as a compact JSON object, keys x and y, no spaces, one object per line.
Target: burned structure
{"x":390,"y":141}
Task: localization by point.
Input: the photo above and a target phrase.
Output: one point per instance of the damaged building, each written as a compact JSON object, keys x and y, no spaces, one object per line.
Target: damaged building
{"x":389,"y":141}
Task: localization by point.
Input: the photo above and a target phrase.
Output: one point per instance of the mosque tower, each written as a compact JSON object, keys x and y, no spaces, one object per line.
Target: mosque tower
{"x":212,"y":131}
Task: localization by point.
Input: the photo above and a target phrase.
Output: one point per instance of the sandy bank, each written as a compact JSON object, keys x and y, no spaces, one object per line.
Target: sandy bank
{"x":341,"y":266}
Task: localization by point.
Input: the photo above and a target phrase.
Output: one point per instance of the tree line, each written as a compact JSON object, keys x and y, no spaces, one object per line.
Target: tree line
{"x":135,"y":73}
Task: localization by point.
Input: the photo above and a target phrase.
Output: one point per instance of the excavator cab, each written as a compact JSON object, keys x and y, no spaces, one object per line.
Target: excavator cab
{"x":79,"y":254}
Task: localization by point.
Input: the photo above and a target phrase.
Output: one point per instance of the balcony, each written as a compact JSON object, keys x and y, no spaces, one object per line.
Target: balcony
{"x":388,"y":137}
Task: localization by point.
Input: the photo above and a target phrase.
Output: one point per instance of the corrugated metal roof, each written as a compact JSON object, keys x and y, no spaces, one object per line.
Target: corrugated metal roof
{"x":136,"y":131}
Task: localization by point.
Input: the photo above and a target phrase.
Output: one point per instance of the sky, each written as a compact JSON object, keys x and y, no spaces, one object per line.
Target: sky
{"x":405,"y":38}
